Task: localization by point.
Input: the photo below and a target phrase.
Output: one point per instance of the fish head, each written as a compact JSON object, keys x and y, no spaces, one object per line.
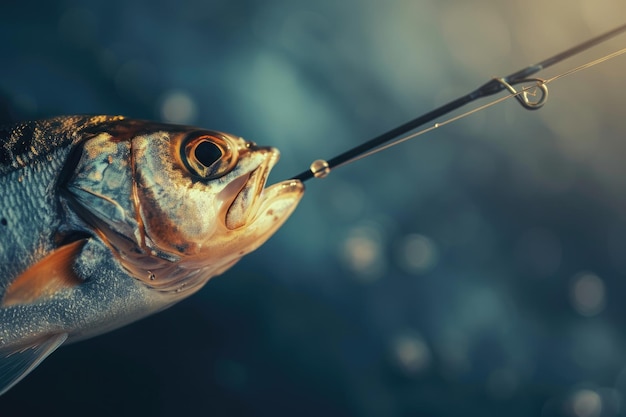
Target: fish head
{"x":179,"y":205}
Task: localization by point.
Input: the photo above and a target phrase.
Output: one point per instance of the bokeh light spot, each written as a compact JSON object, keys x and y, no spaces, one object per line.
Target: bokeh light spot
{"x":418,"y":253}
{"x":587,"y":294}
{"x":411,"y":353}
{"x":362,"y":253}
{"x":586,"y":403}
{"x":178,"y":107}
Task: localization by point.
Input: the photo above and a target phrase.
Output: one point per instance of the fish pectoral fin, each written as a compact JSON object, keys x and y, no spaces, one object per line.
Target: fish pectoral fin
{"x":16,"y":364}
{"x":48,"y":276}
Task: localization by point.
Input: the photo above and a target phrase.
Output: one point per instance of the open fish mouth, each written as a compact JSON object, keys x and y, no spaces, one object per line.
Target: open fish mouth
{"x":253,"y":197}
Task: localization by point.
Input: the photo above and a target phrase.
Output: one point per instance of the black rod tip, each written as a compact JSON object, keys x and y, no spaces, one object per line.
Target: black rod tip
{"x":306,"y":175}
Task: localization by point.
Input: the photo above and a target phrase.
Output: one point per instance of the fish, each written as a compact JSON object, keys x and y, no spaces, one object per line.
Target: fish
{"x":105,"y":220}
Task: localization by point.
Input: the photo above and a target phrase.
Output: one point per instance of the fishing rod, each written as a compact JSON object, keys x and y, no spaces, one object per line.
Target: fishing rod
{"x":531,"y":97}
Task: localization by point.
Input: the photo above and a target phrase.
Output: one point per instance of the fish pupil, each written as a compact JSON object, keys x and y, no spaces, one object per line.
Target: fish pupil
{"x":207,"y":153}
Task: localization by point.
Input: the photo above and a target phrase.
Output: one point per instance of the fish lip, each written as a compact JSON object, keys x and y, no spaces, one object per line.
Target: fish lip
{"x":246,"y":203}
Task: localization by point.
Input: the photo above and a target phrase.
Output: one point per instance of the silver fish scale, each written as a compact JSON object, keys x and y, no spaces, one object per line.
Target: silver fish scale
{"x":28,"y":212}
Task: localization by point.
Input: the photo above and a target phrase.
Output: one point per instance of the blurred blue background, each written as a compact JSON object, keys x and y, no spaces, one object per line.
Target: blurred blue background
{"x":478,"y":270}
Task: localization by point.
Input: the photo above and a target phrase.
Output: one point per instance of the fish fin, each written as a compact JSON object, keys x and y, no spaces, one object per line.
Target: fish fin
{"x":44,"y":279}
{"x":16,"y":364}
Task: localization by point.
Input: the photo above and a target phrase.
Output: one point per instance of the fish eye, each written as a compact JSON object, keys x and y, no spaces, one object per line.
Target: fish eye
{"x":208,"y":157}
{"x":207,"y":153}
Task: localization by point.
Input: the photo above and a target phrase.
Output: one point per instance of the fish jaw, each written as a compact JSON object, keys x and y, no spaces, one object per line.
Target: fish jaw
{"x":267,"y":213}
{"x":246,"y":204}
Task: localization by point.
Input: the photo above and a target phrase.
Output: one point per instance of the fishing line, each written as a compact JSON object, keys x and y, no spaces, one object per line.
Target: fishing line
{"x":530,"y":97}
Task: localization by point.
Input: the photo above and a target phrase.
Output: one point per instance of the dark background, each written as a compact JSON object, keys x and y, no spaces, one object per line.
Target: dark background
{"x":478,"y":270}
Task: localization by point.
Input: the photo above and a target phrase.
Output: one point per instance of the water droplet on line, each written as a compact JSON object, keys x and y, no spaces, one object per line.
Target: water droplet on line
{"x":320,"y":168}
